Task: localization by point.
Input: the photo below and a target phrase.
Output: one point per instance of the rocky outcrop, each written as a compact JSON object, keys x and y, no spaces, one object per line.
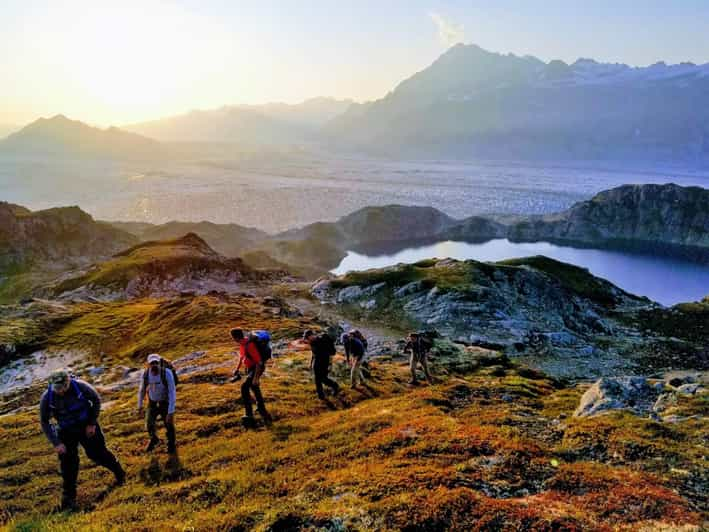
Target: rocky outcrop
{"x":556,"y":316}
{"x":639,"y":395}
{"x":634,"y":216}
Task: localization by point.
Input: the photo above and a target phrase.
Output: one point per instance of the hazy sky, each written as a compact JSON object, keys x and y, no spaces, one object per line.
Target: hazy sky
{"x":124,"y":61}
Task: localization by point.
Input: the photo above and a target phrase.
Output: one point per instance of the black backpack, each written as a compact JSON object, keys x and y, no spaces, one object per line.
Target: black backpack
{"x":328,"y":344}
{"x":262,"y":340}
{"x":165,"y":365}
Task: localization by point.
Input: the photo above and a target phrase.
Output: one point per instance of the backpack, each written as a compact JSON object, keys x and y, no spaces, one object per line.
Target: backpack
{"x":262,"y":340}
{"x":328,"y":344}
{"x":358,"y":334}
{"x":82,"y":411}
{"x":165,"y":365}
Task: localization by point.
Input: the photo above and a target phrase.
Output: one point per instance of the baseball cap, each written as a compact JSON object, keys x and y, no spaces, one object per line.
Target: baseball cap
{"x":153,"y":357}
{"x":58,"y":376}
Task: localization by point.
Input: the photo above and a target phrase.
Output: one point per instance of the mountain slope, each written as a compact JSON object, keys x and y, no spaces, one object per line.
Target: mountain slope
{"x":474,"y":103}
{"x":160,"y":269}
{"x":228,"y":239}
{"x":59,"y":236}
{"x":60,"y":136}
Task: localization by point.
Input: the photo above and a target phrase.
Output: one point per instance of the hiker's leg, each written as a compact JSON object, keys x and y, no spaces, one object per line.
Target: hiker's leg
{"x":319,"y":375}
{"x":356,"y":374}
{"x":169,"y":427}
{"x":412,"y":366}
{"x":260,"y":403}
{"x":424,"y":363}
{"x":331,"y":383}
{"x":69,"y":465}
{"x":96,"y":450}
{"x":246,"y":394}
{"x":151,"y":417}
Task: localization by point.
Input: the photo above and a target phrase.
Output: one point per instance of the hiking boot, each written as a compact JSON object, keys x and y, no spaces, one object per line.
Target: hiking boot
{"x":335,"y":391}
{"x":151,"y":444}
{"x":413,"y":382}
{"x":248,"y":422}
{"x":120,"y":478}
{"x":267,"y":419}
{"x":68,"y":505}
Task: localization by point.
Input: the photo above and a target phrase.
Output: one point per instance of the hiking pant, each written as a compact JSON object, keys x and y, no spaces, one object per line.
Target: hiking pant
{"x":246,"y":388}
{"x":414,"y":360}
{"x":155,"y":410}
{"x":356,"y":372}
{"x":96,"y":450}
{"x":320,"y":371}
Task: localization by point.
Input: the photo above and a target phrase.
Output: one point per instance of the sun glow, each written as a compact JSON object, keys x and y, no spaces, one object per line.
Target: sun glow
{"x":137,"y":58}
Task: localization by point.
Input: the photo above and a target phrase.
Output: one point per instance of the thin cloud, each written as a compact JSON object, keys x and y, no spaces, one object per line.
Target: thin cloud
{"x":449,"y":32}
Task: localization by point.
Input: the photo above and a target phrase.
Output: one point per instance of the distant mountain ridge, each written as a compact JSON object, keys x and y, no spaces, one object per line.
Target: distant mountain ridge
{"x":474,"y":103}
{"x":61,"y":136}
{"x":272,"y":123}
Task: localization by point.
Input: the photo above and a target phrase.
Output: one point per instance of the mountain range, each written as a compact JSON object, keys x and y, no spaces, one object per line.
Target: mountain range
{"x":272,"y":123}
{"x":474,"y":103}
{"x":470,"y":103}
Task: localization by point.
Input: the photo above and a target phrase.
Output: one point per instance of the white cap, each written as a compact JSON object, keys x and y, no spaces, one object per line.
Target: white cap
{"x":154,"y":357}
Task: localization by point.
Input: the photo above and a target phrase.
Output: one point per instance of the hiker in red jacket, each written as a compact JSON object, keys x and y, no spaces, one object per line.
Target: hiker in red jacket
{"x":250,"y":358}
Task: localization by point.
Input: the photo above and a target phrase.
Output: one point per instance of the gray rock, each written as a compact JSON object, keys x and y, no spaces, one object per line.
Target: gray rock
{"x":349,"y":294}
{"x":618,"y":393}
{"x":409,"y":289}
{"x":689,"y":389}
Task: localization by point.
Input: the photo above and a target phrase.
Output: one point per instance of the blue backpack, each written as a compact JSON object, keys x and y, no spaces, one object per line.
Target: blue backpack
{"x":78,"y":412}
{"x":262,"y":340}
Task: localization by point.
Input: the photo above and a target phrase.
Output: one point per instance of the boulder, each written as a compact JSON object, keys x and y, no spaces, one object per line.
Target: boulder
{"x":619,"y":393}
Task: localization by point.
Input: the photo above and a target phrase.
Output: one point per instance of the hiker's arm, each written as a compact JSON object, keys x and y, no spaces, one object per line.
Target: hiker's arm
{"x":171,"y":392}
{"x":141,"y":392}
{"x":92,"y":395}
{"x":44,"y":415}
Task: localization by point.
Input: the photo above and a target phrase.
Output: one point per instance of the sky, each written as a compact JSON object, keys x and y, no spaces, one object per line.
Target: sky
{"x":114,"y":63}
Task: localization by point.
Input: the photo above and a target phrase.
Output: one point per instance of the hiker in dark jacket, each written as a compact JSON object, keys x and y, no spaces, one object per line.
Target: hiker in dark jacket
{"x":159,"y":383}
{"x":355,"y":350}
{"x":419,"y":345}
{"x":250,"y":358}
{"x":322,"y":347}
{"x":75,"y":405}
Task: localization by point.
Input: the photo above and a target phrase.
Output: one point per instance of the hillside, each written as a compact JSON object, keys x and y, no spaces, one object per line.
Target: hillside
{"x":162,"y":268}
{"x":60,"y":136}
{"x":490,"y":445}
{"x":40,"y":245}
{"x":228,"y":239}
{"x":474,"y":103}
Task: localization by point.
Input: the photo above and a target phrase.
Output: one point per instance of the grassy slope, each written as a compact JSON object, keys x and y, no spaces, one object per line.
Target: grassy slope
{"x":492,"y":448}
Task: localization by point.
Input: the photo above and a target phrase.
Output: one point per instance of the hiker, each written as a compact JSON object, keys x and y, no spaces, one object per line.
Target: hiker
{"x":322,"y":347}
{"x":419,"y":344}
{"x":251,"y":359}
{"x":355,"y":347}
{"x":75,"y":406}
{"x":159,"y":382}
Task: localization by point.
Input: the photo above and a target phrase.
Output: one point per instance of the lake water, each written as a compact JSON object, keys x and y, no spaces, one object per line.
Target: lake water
{"x":662,"y":279}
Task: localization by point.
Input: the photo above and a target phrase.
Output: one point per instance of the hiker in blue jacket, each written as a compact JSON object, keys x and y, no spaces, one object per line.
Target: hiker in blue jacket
{"x":75,"y":406}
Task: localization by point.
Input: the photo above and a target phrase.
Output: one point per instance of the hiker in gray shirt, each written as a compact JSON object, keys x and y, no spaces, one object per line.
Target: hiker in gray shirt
{"x":75,"y":405}
{"x":159,"y":383}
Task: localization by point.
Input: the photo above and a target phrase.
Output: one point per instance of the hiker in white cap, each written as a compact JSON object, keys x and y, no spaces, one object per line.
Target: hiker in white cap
{"x":160,"y":382}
